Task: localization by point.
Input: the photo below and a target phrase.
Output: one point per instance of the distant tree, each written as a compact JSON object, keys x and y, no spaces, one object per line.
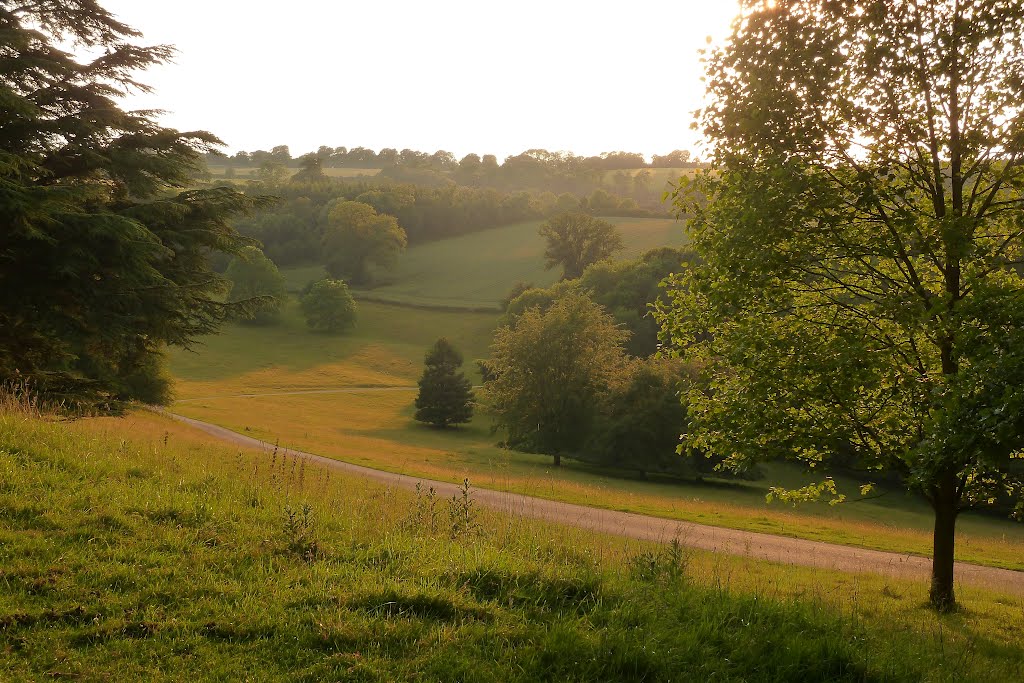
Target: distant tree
{"x":272,"y":172}
{"x":567,"y":203}
{"x":602,"y":201}
{"x":548,"y":370}
{"x":356,"y":236}
{"x":575,"y":240}
{"x":311,"y":169}
{"x":446,"y":396}
{"x":104,"y":255}
{"x":254,"y":277}
{"x":328,"y":306}
{"x":640,"y":420}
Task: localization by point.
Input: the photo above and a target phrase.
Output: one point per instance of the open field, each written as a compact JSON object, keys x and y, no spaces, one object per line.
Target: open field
{"x":376,"y":429}
{"x":370,"y":586}
{"x":385,"y":349}
{"x":477,"y":270}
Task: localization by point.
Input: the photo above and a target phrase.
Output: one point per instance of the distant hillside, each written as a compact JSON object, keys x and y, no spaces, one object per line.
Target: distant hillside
{"x":475,"y":271}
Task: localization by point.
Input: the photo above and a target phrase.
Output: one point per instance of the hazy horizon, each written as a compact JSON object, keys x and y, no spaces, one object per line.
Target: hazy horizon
{"x":455,"y":75}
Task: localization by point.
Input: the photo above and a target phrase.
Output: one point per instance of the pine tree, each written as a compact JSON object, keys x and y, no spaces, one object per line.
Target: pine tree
{"x":104,"y":256}
{"x":446,"y":396}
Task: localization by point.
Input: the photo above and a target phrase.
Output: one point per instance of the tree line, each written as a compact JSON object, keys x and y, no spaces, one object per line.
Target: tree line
{"x":441,"y":160}
{"x":292,"y":231}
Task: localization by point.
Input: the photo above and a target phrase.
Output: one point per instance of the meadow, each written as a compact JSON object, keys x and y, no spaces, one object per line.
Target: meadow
{"x":132,"y":548}
{"x":375,"y":428}
{"x":476,"y":271}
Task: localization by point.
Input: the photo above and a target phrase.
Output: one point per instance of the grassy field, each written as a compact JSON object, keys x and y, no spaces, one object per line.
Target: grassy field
{"x":375,"y":428}
{"x":158,"y":556}
{"x":386,"y":348}
{"x":477,"y":270}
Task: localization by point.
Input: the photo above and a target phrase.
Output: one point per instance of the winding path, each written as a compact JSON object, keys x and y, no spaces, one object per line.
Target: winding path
{"x":781,"y":549}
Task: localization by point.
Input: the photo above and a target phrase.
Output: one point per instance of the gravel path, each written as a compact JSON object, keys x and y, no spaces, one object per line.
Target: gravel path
{"x":751,"y":544}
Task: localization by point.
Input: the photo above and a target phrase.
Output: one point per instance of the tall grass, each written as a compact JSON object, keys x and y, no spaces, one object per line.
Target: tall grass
{"x":130,"y":549}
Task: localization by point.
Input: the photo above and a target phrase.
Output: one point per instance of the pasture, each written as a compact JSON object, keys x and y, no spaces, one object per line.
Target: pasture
{"x":135,"y":549}
{"x":475,"y":271}
{"x":375,"y":428}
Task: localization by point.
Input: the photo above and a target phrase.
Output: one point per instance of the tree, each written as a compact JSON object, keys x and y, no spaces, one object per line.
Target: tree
{"x":446,"y":396}
{"x":356,"y":236}
{"x":640,"y":420}
{"x":862,"y":247}
{"x":575,"y":240}
{"x":548,"y":369}
{"x":104,"y":260}
{"x":328,"y":306}
{"x":255,"y":277}
{"x":311,"y":169}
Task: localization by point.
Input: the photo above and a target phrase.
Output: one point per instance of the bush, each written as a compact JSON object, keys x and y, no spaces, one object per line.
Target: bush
{"x":328,"y":306}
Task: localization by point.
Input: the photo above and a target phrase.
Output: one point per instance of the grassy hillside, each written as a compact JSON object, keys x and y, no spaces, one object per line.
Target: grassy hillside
{"x":477,"y":270}
{"x":156,"y":556}
{"x":376,"y":428}
{"x":386,"y":348}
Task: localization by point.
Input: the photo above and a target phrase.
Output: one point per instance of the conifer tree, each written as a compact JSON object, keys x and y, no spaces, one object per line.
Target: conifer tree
{"x":104,"y":254}
{"x":446,"y":396}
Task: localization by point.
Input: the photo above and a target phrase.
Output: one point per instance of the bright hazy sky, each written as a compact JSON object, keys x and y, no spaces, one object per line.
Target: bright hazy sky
{"x":464,"y":76}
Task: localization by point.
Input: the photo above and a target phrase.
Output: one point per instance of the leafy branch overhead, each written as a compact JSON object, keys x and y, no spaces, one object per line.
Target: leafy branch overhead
{"x":860,"y":292}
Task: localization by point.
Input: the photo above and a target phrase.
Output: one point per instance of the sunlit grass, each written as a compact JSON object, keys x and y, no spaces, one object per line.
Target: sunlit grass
{"x":477,"y":270}
{"x":375,"y":429}
{"x":133,"y":549}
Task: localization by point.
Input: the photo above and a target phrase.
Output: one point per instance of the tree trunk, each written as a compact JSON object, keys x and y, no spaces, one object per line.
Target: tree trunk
{"x":941,"y":595}
{"x":558,"y":460}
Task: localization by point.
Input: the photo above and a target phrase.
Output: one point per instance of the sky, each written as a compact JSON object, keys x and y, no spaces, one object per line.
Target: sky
{"x":463,"y":76}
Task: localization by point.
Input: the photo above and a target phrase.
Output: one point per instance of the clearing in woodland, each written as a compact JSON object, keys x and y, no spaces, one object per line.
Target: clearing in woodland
{"x":476,"y":271}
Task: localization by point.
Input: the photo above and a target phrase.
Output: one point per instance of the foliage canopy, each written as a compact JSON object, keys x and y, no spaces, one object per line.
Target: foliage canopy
{"x":576,"y":240}
{"x":328,"y":306}
{"x":862,"y":247}
{"x":103,"y":259}
{"x":548,"y":368}
{"x":356,"y":236}
{"x":255,"y":277}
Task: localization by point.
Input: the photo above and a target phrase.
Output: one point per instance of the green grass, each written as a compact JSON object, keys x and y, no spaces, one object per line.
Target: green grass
{"x":477,"y":270}
{"x":386,"y":348}
{"x":156,"y":556}
{"x":376,"y":429}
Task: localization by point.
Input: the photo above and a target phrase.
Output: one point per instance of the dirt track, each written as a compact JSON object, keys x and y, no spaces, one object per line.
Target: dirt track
{"x":780,"y":549}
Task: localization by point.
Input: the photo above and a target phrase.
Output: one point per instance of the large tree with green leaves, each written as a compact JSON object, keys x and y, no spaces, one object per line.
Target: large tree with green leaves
{"x":548,"y":368}
{"x":862,"y":247}
{"x":103,"y":257}
{"x":576,"y":240}
{"x":328,"y":306}
{"x":356,"y":236}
